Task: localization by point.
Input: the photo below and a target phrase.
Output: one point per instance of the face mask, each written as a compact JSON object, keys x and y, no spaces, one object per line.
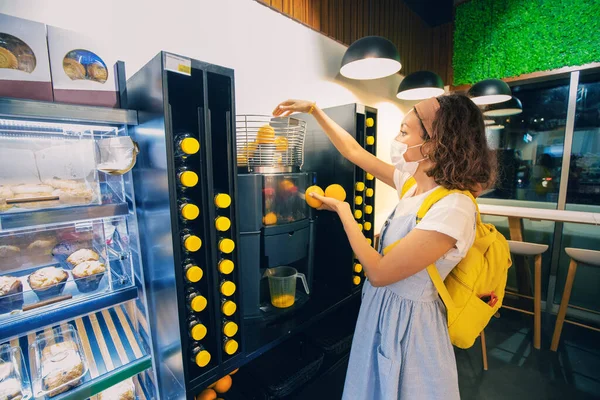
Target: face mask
{"x":397,"y":151}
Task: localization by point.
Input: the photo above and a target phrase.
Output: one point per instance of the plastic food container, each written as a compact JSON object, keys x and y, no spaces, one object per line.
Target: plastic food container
{"x":14,"y":380}
{"x":59,"y":363}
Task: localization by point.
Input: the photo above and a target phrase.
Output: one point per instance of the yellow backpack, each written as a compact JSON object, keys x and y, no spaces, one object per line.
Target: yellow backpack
{"x":483,"y":272}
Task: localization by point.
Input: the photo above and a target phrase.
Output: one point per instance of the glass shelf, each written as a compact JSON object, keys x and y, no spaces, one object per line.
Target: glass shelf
{"x":112,"y":347}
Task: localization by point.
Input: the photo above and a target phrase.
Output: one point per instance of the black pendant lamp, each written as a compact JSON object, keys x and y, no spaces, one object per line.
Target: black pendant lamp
{"x":420,"y":85}
{"x":371,"y":57}
{"x":510,"y":107}
{"x":490,"y":91}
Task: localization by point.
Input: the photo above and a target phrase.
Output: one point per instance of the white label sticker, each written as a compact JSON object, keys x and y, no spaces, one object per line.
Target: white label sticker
{"x":177,"y":64}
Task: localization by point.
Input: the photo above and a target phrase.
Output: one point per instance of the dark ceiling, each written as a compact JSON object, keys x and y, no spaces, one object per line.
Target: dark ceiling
{"x":434,"y":12}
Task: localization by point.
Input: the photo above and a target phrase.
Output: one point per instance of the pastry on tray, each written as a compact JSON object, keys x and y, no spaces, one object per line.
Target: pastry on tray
{"x":124,"y":390}
{"x":32,"y":190}
{"x":74,"y":196}
{"x":82,"y":255}
{"x":11,"y":389}
{"x":5,"y":194}
{"x":11,"y":294}
{"x":62,"y":367}
{"x":48,"y":282}
{"x":87,"y":275}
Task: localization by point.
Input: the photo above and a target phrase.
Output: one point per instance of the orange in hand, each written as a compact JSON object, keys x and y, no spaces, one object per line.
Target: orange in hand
{"x":311,"y":201}
{"x":335,"y":191}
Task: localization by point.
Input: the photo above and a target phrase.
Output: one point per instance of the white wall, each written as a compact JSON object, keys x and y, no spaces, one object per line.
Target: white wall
{"x":274,"y":57}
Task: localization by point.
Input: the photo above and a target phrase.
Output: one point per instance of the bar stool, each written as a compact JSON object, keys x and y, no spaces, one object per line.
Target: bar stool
{"x":536,"y":250}
{"x":588,"y":257}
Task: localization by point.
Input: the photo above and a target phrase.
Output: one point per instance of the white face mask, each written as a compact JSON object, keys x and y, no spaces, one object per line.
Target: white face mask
{"x":397,"y":152}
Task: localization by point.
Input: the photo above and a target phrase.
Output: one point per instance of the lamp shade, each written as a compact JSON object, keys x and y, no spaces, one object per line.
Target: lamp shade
{"x":490,"y":91}
{"x":489,"y":121}
{"x":420,"y":85}
{"x":370,"y":57}
{"x":510,"y":107}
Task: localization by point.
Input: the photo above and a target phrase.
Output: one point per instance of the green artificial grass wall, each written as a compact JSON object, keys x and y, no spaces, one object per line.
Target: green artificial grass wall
{"x":504,"y":38}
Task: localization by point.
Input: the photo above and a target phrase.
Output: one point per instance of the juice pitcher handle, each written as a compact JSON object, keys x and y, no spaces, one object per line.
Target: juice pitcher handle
{"x":301,"y":276}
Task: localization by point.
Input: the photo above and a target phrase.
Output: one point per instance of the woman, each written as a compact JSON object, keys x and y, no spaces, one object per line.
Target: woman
{"x":401,"y":348}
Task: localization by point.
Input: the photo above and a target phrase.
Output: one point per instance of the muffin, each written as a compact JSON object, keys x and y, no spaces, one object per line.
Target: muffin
{"x":11,"y":294}
{"x":87,"y":275}
{"x":10,"y":389}
{"x":64,"y":249}
{"x":61,"y":365}
{"x":82,"y":255}
{"x":121,"y":391}
{"x":10,"y":257}
{"x":48,"y":282}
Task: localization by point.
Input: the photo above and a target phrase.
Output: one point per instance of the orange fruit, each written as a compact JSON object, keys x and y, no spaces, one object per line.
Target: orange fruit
{"x":234,"y":371}
{"x":311,"y":201}
{"x":224,"y":384}
{"x":281,"y":144}
{"x":207,"y":394}
{"x":335,"y":191}
{"x":265,"y":134}
{"x":270,"y":219}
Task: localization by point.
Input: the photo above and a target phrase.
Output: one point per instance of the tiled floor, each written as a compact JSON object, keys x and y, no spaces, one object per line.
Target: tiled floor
{"x":517,"y":371}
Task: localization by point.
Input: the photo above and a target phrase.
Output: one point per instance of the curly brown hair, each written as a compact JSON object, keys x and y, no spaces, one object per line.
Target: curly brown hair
{"x":458,"y":147}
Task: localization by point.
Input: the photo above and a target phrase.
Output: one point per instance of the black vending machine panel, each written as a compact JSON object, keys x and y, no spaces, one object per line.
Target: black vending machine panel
{"x":335,"y":264}
{"x":185,"y":182}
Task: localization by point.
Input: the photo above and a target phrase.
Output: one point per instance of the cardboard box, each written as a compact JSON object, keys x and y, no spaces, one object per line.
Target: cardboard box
{"x":24,"y":64}
{"x":83,"y":69}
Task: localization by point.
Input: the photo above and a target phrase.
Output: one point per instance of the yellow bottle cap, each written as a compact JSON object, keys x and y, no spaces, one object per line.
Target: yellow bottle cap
{"x":356,"y":280}
{"x":202,"y":358}
{"x":199,"y":332}
{"x":226,"y":245}
{"x":188,"y":178}
{"x":369,"y":241}
{"x":360,"y":227}
{"x":230,"y":329}
{"x":228,"y":308}
{"x":192,"y":243}
{"x":222,"y":200}
{"x":199,"y":303}
{"x":357,"y":214}
{"x":370,"y":122}
{"x":370,"y":192}
{"x":360,"y":186}
{"x":194,"y":273}
{"x":358,"y":200}
{"x":368,"y":209}
{"x":358,"y":268}
{"x":226,"y":266}
{"x":370,"y":177}
{"x":190,"y":211}
{"x":190,"y":145}
{"x":228,"y":288}
{"x":370,"y":140}
{"x":222,"y":224}
{"x":231,"y":346}
{"x":367,"y":226}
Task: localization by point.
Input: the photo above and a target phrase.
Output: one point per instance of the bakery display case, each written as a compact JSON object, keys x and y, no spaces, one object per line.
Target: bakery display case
{"x":72,"y":303}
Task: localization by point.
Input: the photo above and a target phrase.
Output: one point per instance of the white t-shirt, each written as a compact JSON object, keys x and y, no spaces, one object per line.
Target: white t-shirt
{"x":453,"y":215}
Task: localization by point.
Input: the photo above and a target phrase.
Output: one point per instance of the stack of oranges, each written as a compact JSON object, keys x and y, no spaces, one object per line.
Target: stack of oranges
{"x":221,"y":386}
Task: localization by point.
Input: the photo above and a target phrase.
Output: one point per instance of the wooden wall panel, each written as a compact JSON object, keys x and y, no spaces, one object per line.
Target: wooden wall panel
{"x":421,"y":47}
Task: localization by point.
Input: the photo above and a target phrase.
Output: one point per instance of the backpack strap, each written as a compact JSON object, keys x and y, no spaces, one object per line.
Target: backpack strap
{"x":434,"y":274}
{"x":410,"y":182}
